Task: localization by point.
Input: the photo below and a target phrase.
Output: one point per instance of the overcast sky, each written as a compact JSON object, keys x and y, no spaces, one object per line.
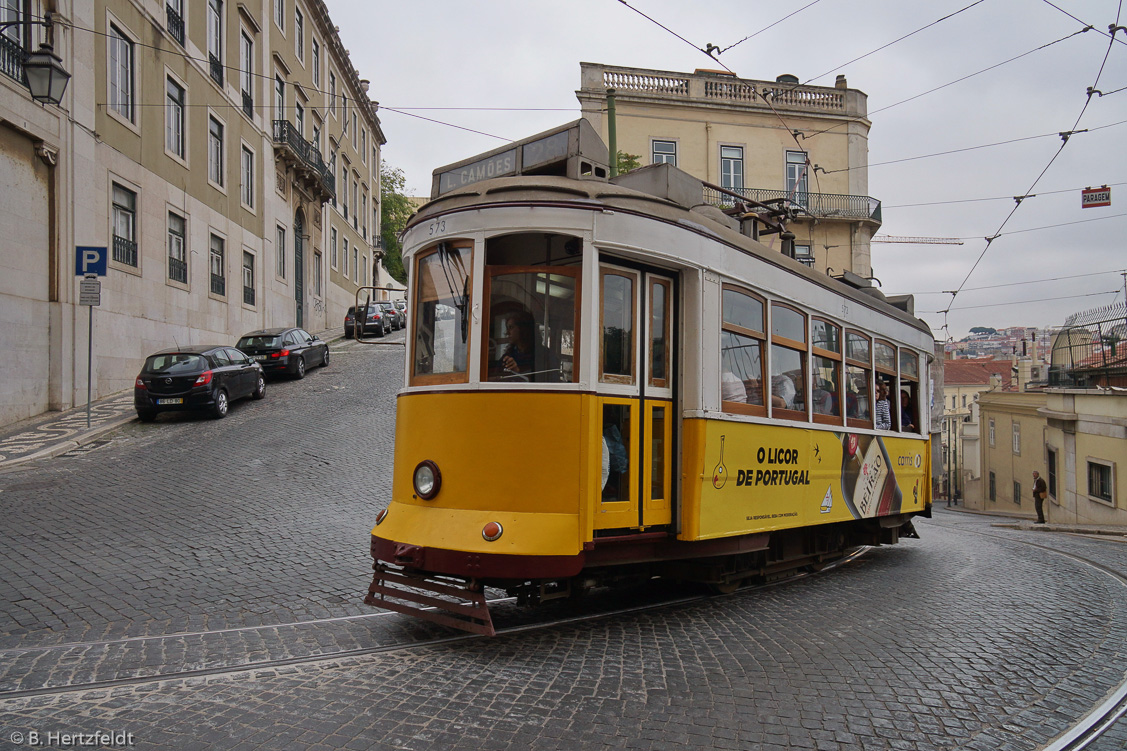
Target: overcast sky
{"x":524,"y":56}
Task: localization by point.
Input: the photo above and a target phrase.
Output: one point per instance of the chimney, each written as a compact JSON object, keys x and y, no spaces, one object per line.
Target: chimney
{"x":1024,"y":373}
{"x":840,"y":82}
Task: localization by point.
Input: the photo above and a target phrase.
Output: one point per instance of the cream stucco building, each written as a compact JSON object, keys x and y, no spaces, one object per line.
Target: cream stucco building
{"x":225,"y":153}
{"x":765,"y":140}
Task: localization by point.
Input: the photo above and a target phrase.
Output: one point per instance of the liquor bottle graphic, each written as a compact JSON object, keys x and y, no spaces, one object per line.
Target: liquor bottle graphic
{"x":868,"y":482}
{"x":720,"y":473}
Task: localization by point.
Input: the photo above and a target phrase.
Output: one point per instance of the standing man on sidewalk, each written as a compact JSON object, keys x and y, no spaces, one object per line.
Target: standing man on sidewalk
{"x":1039,"y":492}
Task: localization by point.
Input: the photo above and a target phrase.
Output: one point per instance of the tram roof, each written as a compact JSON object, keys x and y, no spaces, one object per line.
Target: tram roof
{"x":661,"y":192}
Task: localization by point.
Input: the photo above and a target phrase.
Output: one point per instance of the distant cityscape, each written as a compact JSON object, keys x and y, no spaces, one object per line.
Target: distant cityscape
{"x":988,"y":343}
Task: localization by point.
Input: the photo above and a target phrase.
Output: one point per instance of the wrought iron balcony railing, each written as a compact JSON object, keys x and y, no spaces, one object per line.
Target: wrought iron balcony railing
{"x":819,"y":205}
{"x":216,"y":68}
{"x":307,"y":156}
{"x":248,"y":104}
{"x":124,"y":251}
{"x":12,"y":57}
{"x":248,"y":295}
{"x":178,"y":270}
{"x":175,"y":25}
{"x":218,"y":285}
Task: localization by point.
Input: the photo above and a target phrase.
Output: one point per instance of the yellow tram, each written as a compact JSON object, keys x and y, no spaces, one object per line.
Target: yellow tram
{"x":609,"y":379}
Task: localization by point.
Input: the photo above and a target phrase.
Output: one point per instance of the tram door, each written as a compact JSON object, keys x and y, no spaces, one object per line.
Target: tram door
{"x":636,"y":345}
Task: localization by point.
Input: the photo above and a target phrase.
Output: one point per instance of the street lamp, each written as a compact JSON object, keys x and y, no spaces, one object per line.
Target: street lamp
{"x":46,"y":77}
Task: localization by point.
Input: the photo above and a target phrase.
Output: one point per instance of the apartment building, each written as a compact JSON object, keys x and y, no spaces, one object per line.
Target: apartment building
{"x":768,"y":141}
{"x":226,"y":154}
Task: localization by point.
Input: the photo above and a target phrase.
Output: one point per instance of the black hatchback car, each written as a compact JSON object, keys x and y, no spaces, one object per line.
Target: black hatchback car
{"x":203,"y":377}
{"x":286,"y":350}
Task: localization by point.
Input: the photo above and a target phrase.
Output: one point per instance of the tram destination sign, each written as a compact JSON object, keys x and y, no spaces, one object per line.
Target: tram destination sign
{"x":1091,"y":198}
{"x":497,"y":165}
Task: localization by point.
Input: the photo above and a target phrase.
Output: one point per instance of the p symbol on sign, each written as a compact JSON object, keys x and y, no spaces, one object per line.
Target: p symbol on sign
{"x":90,"y":259}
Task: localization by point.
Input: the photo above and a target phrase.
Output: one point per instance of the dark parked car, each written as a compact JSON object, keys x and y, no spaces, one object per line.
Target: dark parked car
{"x":196,"y":378}
{"x":375,"y":322}
{"x":392,"y":314}
{"x":289,"y":350}
{"x":401,"y":306}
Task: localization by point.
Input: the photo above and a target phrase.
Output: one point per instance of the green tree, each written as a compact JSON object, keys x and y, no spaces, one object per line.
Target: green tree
{"x":627,"y":162}
{"x":395,"y":210}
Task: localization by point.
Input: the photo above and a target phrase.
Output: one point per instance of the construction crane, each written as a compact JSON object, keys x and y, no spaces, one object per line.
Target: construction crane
{"x":917,"y":240}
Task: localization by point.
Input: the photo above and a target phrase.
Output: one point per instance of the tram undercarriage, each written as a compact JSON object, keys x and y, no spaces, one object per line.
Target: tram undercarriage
{"x":722,"y":565}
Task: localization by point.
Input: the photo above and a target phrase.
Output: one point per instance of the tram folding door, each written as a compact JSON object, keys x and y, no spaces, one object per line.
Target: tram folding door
{"x":636,"y":387}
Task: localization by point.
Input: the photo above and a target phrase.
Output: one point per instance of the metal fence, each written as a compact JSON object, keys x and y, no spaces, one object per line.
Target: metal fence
{"x":820,"y":205}
{"x":1090,"y":349}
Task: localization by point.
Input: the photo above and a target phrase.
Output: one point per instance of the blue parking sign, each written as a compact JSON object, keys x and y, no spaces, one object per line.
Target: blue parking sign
{"x":90,"y":259}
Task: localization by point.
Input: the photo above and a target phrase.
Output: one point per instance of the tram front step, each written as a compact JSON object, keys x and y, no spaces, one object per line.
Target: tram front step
{"x":446,"y":601}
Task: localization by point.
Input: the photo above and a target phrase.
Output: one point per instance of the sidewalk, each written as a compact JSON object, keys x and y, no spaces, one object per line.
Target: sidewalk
{"x":1024,"y":524}
{"x":54,"y":433}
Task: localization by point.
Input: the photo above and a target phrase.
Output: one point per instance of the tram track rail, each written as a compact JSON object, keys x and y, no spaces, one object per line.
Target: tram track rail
{"x":333,"y":656}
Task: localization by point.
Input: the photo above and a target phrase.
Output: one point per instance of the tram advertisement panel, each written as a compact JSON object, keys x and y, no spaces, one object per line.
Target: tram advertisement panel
{"x":761,"y":477}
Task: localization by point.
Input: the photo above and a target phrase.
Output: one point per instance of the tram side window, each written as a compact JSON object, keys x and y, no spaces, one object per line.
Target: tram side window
{"x":826,"y":376}
{"x":742,"y":343}
{"x":788,"y":362}
{"x":909,"y":391}
{"x":442,"y":297}
{"x":884,"y":358}
{"x":858,"y":376}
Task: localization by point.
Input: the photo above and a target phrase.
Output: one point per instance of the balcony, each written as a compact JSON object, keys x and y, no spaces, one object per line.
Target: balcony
{"x":12,"y":56}
{"x":175,"y":25}
{"x":216,"y":68}
{"x":177,"y":270}
{"x":124,"y":251}
{"x":309,"y":167}
{"x":218,"y":285}
{"x":248,"y":295}
{"x":248,"y":104}
{"x":817,"y":205}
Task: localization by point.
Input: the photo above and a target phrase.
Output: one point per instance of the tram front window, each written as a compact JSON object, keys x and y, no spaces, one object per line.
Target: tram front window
{"x":441,"y":316}
{"x":531,"y":326}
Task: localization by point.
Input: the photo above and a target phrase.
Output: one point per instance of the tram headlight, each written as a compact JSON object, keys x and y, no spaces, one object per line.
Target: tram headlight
{"x":427,"y":479}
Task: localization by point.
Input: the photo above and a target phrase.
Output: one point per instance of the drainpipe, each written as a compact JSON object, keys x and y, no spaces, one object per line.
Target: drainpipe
{"x":612,"y":134}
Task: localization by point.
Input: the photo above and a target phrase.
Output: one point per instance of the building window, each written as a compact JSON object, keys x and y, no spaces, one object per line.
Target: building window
{"x":317,"y":132}
{"x":299,"y":34}
{"x":248,"y":177}
{"x":174,"y":13}
{"x":279,"y":98}
{"x":1051,"y":460}
{"x":732,"y":167}
{"x":354,"y":129}
{"x":993,"y":487}
{"x":333,"y":247}
{"x":174,"y":118}
{"x":1017,"y":437}
{"x":299,"y":119}
{"x":364,"y":145}
{"x":248,"y":278}
{"x":1101,"y":481}
{"x":280,"y":252}
{"x":280,"y":14}
{"x":215,"y":39}
{"x":316,"y":61}
{"x":215,"y":151}
{"x":355,"y":201}
{"x":1017,"y":493}
{"x":991,"y":432}
{"x":798,"y":184}
{"x":665,"y":152}
{"x":124,"y":225}
{"x":317,"y":272}
{"x":333,"y":93}
{"x":121,"y":74}
{"x":218,"y":266}
{"x":954,"y":402}
{"x":345,"y":254}
{"x":177,"y":257}
{"x":355,"y":263}
{"x":343,"y":189}
{"x":246,"y":73}
{"x":964,"y":401}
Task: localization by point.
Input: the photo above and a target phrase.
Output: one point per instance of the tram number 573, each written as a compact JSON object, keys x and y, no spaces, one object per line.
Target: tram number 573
{"x":437,"y":227}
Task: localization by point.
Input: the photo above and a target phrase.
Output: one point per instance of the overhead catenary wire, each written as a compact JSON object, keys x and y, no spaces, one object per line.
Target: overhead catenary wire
{"x":992,"y":198}
{"x":1025,"y":302}
{"x":1030,"y":281}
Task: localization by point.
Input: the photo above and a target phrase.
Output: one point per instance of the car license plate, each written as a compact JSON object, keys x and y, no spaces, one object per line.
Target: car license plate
{"x":260,"y":358}
{"x":177,"y":400}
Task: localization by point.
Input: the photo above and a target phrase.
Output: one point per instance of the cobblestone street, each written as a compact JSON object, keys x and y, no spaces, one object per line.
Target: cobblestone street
{"x":201,"y":545}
